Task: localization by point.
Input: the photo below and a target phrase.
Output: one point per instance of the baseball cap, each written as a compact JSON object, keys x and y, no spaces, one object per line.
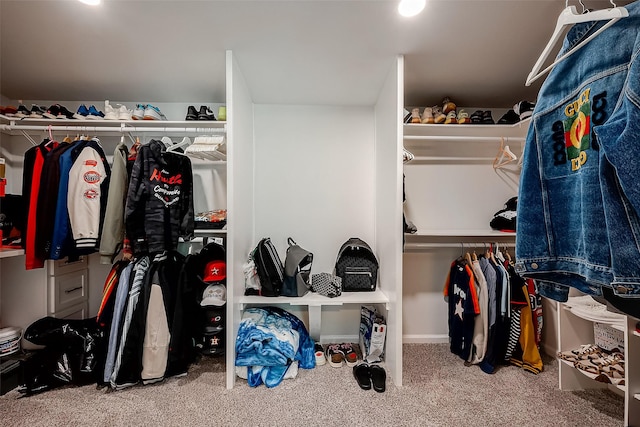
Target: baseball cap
{"x":214,"y":295}
{"x":215,"y":271}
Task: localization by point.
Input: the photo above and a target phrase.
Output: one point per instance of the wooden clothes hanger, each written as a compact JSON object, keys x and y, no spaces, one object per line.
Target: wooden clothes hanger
{"x":568,"y":18}
{"x":504,"y":156}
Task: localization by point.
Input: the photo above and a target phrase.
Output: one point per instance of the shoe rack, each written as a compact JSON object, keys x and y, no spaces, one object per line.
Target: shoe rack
{"x":452,"y":191}
{"x":574,"y":329}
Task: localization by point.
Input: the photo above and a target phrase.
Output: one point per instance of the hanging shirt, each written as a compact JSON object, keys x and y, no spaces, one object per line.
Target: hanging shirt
{"x":460,"y":289}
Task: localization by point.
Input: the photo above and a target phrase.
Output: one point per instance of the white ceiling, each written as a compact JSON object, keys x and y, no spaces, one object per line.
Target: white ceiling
{"x":478,"y":52}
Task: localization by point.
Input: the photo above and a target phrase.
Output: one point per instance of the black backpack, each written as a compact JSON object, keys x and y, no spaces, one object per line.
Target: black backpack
{"x":269,"y":268}
{"x":357,"y":265}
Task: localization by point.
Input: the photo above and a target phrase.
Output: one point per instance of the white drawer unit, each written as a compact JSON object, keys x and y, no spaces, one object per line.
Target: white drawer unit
{"x":66,"y":290}
{"x":60,"y":289}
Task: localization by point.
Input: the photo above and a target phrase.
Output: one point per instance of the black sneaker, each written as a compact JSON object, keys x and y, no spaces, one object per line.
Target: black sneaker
{"x":509,"y":118}
{"x":22,"y":112}
{"x":505,"y":219}
{"x":63,"y":113}
{"x":524,"y":109}
{"x":487,"y":119}
{"x":36,"y":111}
{"x":192,"y":114}
{"x":205,"y":113}
{"x":52,"y":112}
{"x":476,"y":117}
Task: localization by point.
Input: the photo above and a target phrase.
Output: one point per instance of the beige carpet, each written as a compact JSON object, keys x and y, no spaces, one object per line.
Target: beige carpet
{"x":438,"y":390}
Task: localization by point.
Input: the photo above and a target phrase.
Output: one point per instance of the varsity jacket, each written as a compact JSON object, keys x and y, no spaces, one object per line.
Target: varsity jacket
{"x":86,"y":197}
{"x":113,"y":224}
{"x":160,"y":200}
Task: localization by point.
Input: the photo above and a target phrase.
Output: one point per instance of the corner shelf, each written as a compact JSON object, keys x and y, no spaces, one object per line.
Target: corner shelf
{"x":7,"y":252}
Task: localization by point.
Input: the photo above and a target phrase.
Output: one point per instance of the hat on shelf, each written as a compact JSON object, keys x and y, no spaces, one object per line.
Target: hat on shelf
{"x":215,"y":294}
{"x":215,"y":271}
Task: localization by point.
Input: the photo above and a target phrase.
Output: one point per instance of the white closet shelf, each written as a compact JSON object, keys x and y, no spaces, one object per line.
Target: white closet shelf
{"x":617,"y":323}
{"x":10,"y":252}
{"x":592,"y":376}
{"x":473,"y":233}
{"x":314,"y":299}
{"x":480,"y":133}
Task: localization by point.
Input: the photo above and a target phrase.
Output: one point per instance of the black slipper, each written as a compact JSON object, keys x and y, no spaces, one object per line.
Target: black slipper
{"x":363,"y":376}
{"x":378,"y":378}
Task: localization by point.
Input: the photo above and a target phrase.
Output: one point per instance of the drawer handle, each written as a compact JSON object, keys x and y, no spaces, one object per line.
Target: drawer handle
{"x":68,"y":291}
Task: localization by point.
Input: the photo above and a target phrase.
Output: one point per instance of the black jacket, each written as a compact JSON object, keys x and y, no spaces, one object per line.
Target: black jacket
{"x":159,"y":200}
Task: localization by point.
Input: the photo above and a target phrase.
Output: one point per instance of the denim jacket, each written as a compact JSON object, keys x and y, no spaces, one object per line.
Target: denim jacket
{"x":579,"y":196}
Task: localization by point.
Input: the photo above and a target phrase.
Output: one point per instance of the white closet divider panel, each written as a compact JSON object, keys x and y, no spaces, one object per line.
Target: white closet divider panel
{"x":240,"y":210}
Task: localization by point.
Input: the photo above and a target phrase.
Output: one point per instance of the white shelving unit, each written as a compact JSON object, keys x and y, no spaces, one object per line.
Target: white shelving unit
{"x":575,"y":330}
{"x":452,"y":193}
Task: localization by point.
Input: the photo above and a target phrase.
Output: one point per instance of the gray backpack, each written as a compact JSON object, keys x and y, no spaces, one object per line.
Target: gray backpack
{"x":297,"y":271}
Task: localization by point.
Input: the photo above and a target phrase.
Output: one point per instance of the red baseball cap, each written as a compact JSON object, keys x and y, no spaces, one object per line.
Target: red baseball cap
{"x":215,"y":271}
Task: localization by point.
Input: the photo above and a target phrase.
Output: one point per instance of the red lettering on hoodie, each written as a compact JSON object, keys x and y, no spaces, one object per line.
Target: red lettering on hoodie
{"x":157,"y":176}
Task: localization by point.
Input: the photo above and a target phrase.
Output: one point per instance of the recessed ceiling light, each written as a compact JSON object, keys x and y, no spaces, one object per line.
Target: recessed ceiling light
{"x":90,"y":2}
{"x":410,"y":8}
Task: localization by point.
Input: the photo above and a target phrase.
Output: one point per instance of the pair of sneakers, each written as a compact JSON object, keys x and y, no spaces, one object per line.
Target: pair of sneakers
{"x":147,"y":112}
{"x":337,"y":354}
{"x":120,"y":113}
{"x":204,"y":113}
{"x":84,"y":113}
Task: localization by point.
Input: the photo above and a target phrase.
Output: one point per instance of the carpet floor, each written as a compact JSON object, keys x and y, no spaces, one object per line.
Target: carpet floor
{"x":438,"y":390}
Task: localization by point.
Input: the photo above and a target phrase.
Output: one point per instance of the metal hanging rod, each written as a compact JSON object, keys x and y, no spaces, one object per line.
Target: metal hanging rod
{"x":462,"y":138}
{"x":121,"y":129}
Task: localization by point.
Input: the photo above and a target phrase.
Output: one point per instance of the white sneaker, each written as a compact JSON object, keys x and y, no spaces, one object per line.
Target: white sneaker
{"x":138,"y":112}
{"x":153,"y":113}
{"x":124,"y":113}
{"x":109,"y":112}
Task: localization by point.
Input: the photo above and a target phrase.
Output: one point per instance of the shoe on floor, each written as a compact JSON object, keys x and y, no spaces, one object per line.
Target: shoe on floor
{"x":320,"y":359}
{"x":349,"y":354}
{"x":378,"y":378}
{"x":334,"y":355}
{"x":362,"y":374}
{"x":509,"y":118}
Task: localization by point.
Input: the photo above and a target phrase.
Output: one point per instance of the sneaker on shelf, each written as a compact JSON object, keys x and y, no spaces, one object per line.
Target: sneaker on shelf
{"x":427,"y":116}
{"x":63,"y":113}
{"x":509,"y":118}
{"x":524,"y":109}
{"x":320,"y":359}
{"x":205,"y":113}
{"x":438,"y":116}
{"x":124,"y":113}
{"x":487,"y":118}
{"x":415,"y":116}
{"x":82,"y":112}
{"x":36,"y":112}
{"x":448,"y":106}
{"x":110,"y":113}
{"x":476,"y":117}
{"x":334,"y":355}
{"x":463,"y":117}
{"x":94,"y":114}
{"x":586,"y":351}
{"x":22,"y":111}
{"x":153,"y":113}
{"x":138,"y":112}
{"x":451,"y":118}
{"x":52,"y":111}
{"x":505,"y":219}
{"x":192,"y":113}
